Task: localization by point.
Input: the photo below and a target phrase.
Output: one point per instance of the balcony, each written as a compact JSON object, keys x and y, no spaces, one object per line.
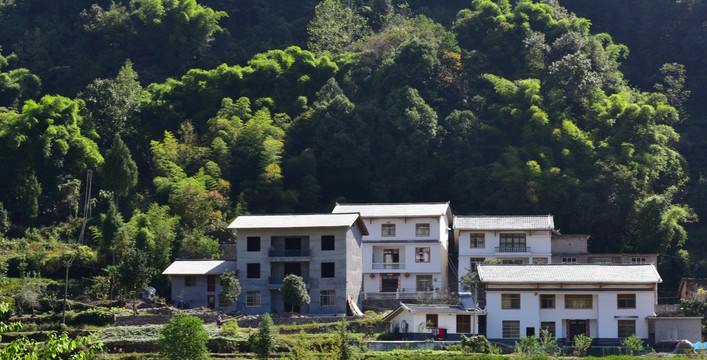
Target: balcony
{"x":278,"y":280}
{"x":288,"y":253}
{"x":401,"y":295}
{"x":388,"y":266}
{"x":512,"y":249}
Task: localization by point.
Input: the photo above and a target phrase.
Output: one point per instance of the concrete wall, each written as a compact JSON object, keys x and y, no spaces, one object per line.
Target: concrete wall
{"x":603,"y":316}
{"x":345,"y":256}
{"x":416,"y":321}
{"x":676,"y":328}
{"x":195,"y":296}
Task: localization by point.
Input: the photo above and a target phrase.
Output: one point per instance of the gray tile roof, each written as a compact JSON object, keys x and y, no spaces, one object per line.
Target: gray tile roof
{"x":504,"y":222}
{"x":200,"y":267}
{"x":298,"y":221}
{"x":568,"y":274}
{"x":396,"y":210}
{"x":431,"y":309}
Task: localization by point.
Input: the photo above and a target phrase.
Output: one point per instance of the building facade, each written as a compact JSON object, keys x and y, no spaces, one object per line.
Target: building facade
{"x":405,"y":254}
{"x":197,"y":283}
{"x":324,"y":249}
{"x":573,"y":249}
{"x":510,"y":239}
{"x":607,"y":302}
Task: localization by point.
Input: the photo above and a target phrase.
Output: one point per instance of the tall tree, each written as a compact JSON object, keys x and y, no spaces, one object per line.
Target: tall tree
{"x":119,"y":171}
{"x":336,"y":27}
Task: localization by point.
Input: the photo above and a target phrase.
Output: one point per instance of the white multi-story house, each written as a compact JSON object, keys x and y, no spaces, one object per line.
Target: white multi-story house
{"x":405,"y":254}
{"x":511,"y":239}
{"x":323,"y":249}
{"x":607,"y":302}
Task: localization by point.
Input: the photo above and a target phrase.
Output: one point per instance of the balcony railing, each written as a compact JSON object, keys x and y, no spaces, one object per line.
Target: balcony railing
{"x":387,"y":265}
{"x":512,"y":249}
{"x":401,"y":295}
{"x":288,"y":253}
{"x":277,"y":280}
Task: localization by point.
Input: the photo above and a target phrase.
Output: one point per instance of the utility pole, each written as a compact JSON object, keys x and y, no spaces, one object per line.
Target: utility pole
{"x":86,"y":215}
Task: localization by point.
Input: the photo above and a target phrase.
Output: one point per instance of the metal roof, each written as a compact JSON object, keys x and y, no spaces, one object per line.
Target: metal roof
{"x":504,"y":222}
{"x":380,"y":210}
{"x":298,"y":221}
{"x":200,"y":267}
{"x":568,"y":274}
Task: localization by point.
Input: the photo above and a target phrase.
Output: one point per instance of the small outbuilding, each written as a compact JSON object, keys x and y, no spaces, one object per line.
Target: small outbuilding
{"x":197,"y":283}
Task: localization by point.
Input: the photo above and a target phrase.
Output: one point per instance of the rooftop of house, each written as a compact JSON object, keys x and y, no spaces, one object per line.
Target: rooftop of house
{"x":380,"y":210}
{"x":299,"y":221}
{"x":432,"y":309}
{"x":568,"y":274}
{"x":200,"y":267}
{"x":504,"y":222}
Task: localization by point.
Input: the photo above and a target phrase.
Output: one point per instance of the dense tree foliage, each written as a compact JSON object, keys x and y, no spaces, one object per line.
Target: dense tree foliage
{"x":217,"y":109}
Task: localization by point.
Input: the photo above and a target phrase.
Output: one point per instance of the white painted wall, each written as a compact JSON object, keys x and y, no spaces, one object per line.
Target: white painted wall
{"x":194,"y":296}
{"x":602,"y":316}
{"x":445,"y":321}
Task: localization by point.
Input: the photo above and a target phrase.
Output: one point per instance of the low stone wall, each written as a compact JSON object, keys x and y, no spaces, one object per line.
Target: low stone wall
{"x":149,"y":319}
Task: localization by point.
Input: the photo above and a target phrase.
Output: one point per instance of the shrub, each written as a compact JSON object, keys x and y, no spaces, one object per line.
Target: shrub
{"x":302,"y":348}
{"x":386,"y":337}
{"x":478,"y":344}
{"x":230,"y":327}
{"x":528,"y":346}
{"x":581,"y":344}
{"x":633,"y":344}
{"x":98,"y":317}
{"x":184,"y":338}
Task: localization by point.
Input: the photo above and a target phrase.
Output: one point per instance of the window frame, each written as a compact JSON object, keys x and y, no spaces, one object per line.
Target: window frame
{"x":222,"y":303}
{"x":329,"y":296}
{"x":625,"y":327}
{"x":465,"y":327}
{"x":628,"y":301}
{"x":569,"y":260}
{"x":509,"y":328}
{"x":510,"y":301}
{"x":432,"y":318}
{"x":552,"y":329}
{"x":420,"y":230}
{"x":252,"y":240}
{"x":575,"y":299}
{"x":329,"y":241}
{"x":253,"y":298}
{"x":190,"y":281}
{"x":420,"y":253}
{"x":517,"y":241}
{"x":330,"y":272}
{"x":477,"y":240}
{"x":251,"y":271}
{"x":639,"y":260}
{"x":388,"y":230}
{"x":421,"y":279}
{"x":545,"y":299}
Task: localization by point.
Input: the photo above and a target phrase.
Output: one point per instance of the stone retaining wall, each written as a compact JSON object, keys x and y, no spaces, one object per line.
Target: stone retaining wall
{"x":139,"y":320}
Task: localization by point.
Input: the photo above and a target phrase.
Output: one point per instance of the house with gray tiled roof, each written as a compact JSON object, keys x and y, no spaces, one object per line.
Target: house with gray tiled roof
{"x":607,"y":302}
{"x":324,"y":249}
{"x":405,"y":253}
{"x":511,"y":239}
{"x":197,"y":282}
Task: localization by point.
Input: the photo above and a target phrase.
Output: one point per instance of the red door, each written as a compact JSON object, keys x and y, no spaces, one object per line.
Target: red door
{"x":211,"y":283}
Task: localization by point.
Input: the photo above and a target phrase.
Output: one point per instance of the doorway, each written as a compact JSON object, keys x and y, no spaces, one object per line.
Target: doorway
{"x":389,"y":282}
{"x":576,"y":327}
{"x":293,"y":246}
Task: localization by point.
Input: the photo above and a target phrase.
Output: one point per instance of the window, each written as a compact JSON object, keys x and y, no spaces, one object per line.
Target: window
{"x":253,"y":243}
{"x":475,"y":261}
{"x":638,"y":260}
{"x":512,"y":242}
{"x":422,"y":229}
{"x":511,"y":329}
{"x":626,"y":328}
{"x":510,"y":301}
{"x":222,"y":303}
{"x":547,"y":301}
{"x":253,"y":271}
{"x":252,"y":298}
{"x":569,"y":260}
{"x":626,"y":301}
{"x":512,"y":261}
{"x":423,"y":283}
{"x":190,"y":281}
{"x":478,"y":241}
{"x":602,"y":260}
{"x":327,"y":242}
{"x":387,"y":229}
{"x":326,"y":297}
{"x":422,"y":255}
{"x":578,"y":301}
{"x":548,"y":326}
{"x":431,"y":321}
{"x":463,"y":324}
{"x":328,"y":270}
{"x":539,"y":260}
